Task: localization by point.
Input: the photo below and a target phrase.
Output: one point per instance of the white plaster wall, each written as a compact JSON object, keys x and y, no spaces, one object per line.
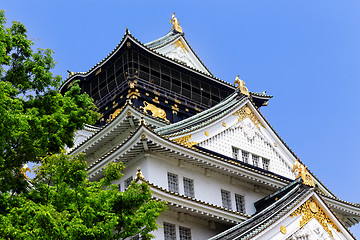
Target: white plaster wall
{"x":207,"y":188}
{"x":200,"y":229}
{"x":247,"y":137}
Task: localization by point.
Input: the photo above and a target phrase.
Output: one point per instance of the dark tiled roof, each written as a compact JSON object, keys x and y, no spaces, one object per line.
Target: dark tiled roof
{"x":205,"y":117}
{"x":169,"y":37}
{"x":270,"y":210}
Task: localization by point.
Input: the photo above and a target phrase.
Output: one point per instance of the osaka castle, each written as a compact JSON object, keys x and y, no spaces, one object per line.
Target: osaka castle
{"x":203,"y":146}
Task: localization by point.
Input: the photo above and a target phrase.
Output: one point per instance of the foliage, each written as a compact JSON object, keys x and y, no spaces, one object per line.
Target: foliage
{"x":65,"y":205}
{"x":36,"y":119}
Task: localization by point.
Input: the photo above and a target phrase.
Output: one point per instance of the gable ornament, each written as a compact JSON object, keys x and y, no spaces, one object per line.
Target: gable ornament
{"x":245,"y":112}
{"x":309,"y":210}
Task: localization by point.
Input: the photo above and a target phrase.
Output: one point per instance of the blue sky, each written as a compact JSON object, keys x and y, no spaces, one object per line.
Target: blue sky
{"x":305,"y":53}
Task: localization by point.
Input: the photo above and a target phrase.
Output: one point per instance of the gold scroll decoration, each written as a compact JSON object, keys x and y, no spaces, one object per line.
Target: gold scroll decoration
{"x":180,"y":44}
{"x":156,"y":112}
{"x":240,"y":84}
{"x":175,"y":22}
{"x":114,"y":114}
{"x":245,"y":112}
{"x":309,"y":210}
{"x":303,"y":173}
{"x":185,"y":141}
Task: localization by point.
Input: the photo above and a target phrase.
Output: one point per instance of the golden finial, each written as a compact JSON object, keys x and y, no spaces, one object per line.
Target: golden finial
{"x":303,"y":173}
{"x":139,"y":173}
{"x":25,"y":169}
{"x":70,"y":73}
{"x":175,"y":22}
{"x":240,"y":84}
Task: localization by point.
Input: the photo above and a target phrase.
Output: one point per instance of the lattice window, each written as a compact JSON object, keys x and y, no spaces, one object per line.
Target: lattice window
{"x":255,"y":160}
{"x":185,"y":233}
{"x":173,"y":182}
{"x":235,"y":152}
{"x":169,"y":231}
{"x":189,"y":187}
{"x":127,"y":182}
{"x":266,"y":163}
{"x":226,"y":199}
{"x":240,"y":203}
{"x":245,"y":156}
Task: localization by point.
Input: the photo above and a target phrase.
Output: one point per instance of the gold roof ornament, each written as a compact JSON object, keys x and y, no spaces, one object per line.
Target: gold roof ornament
{"x":175,"y":22}
{"x":303,"y":173}
{"x":70,"y":73}
{"x":25,"y":169}
{"x":240,"y":84}
{"x":139,"y":174}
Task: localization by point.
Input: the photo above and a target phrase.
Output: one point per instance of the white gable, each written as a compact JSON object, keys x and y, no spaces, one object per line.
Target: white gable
{"x":245,"y":142}
{"x":180,"y":51}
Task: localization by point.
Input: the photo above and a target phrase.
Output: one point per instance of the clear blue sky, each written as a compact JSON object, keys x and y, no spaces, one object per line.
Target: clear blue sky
{"x":306,"y":53}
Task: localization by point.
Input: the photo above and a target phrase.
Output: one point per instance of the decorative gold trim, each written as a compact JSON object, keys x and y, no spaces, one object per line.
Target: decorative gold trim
{"x":303,"y":173}
{"x":175,"y":107}
{"x":283,"y":229}
{"x":185,"y":141}
{"x":156,"y":100}
{"x":114,"y":114}
{"x":166,"y":102}
{"x":133,"y":94}
{"x":306,"y":212}
{"x":155,"y":111}
{"x":98,"y":71}
{"x":157,"y":93}
{"x":177,"y":101}
{"x":180,"y":44}
{"x":197,"y":109}
{"x":245,"y":112}
{"x":146,"y":94}
{"x":186,"y":109}
{"x":224,"y":124}
{"x":207,"y":133}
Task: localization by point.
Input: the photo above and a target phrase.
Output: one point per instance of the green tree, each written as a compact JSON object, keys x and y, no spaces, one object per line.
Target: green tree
{"x":37,"y":121}
{"x":64,"y":205}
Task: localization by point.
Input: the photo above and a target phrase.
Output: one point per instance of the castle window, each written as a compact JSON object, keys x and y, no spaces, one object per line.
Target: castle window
{"x":240,"y":203}
{"x":189,"y":187}
{"x":255,"y":160}
{"x":127,"y":182}
{"x":245,"y":156}
{"x":169,"y":231}
{"x":173,"y":182}
{"x":266,"y":163}
{"x":226,"y":199}
{"x":235,"y":152}
{"x":185,"y":233}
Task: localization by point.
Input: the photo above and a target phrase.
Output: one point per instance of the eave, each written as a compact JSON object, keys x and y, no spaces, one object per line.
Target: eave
{"x":193,"y":206}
